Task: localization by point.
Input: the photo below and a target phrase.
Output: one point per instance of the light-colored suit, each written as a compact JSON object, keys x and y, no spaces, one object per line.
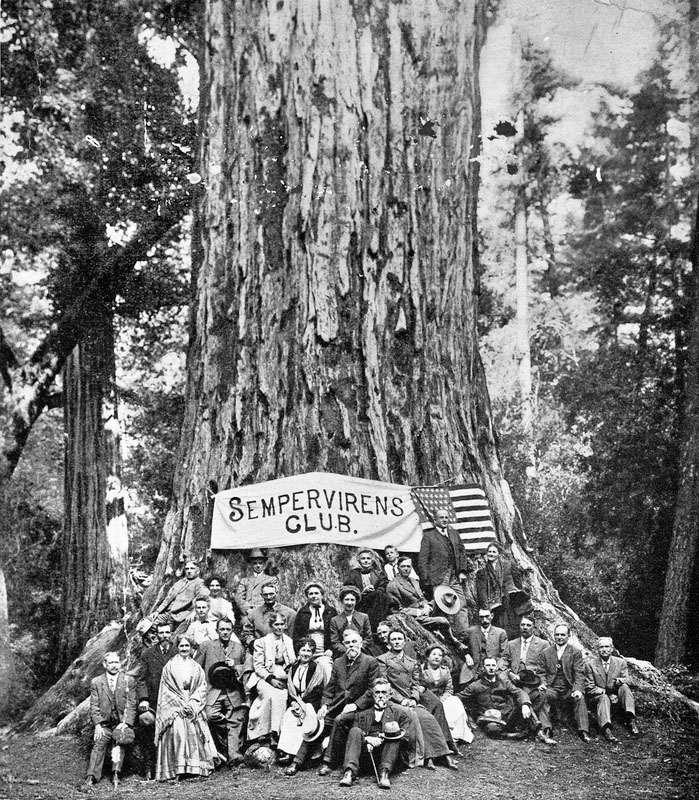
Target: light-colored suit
{"x":604,"y":687}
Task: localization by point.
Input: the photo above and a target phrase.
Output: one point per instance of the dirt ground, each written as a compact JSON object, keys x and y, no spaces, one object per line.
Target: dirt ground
{"x":662,"y":763}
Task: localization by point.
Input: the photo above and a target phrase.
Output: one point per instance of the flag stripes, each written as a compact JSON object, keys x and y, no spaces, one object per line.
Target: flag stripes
{"x":469,"y":512}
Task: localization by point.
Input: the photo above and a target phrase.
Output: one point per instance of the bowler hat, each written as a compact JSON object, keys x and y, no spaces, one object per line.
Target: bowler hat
{"x":223,"y":676}
{"x":349,"y":590}
{"x":447,"y":600}
{"x":392,"y":730}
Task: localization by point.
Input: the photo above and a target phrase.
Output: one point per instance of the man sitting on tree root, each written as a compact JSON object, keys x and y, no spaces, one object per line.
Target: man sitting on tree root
{"x":113,"y":712}
{"x":606,"y":686}
{"x":376,"y":737}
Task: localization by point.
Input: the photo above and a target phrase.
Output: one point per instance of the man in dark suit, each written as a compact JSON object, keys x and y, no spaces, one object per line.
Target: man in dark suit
{"x":256,"y":623}
{"x":378,"y":732}
{"x":562,"y":675}
{"x":494,"y":690}
{"x":483,"y":640}
{"x":226,"y":704}
{"x":442,"y":560}
{"x":348,"y":690}
{"x":112,"y":709}
{"x":607,"y":685}
{"x":153,"y":659}
{"x":349,"y":617}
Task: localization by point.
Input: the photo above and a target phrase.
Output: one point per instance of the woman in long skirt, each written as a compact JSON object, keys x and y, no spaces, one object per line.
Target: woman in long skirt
{"x":185,"y":746}
{"x":305,"y":687}
{"x":437,"y":678}
{"x":272,"y":658}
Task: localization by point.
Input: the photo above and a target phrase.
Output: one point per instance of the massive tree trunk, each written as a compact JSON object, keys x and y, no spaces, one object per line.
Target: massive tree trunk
{"x":674,"y":617}
{"x":94,"y":546}
{"x":334,"y":324}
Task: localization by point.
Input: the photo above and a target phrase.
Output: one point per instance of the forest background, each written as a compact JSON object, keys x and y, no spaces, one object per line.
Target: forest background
{"x":586,"y":212}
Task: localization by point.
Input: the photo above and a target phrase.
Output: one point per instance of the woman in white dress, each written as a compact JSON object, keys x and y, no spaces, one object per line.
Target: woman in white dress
{"x":437,"y":678}
{"x":272,"y":657}
{"x":305,"y":688}
{"x":185,"y":746}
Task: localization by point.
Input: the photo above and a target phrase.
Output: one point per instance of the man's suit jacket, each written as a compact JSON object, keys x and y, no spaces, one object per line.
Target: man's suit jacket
{"x":596,"y":676}
{"x":392,"y":713}
{"x":303,"y":621}
{"x":101,"y":704}
{"x":439,"y":556}
{"x":354,"y":578}
{"x":351,"y":683}
{"x":248,"y":592}
{"x":403,"y":673}
{"x":501,"y":694}
{"x":480,"y":648}
{"x":404,"y":593}
{"x":571,"y":661}
{"x":338,"y":625}
{"x":210,"y":653}
{"x":256,"y":623}
{"x":179,"y":601}
{"x":152,"y":663}
{"x":514,"y":650}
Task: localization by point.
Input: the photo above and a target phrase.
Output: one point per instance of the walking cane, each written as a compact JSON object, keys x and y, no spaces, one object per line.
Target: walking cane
{"x":370,"y":750}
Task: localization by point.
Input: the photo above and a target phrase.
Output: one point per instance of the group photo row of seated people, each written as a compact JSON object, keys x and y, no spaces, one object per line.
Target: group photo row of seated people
{"x":245,"y":679}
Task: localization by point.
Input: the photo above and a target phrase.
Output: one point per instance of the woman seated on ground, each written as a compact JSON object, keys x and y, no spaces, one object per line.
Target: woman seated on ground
{"x":272,"y":658}
{"x":437,"y":678}
{"x":305,"y":688}
{"x":185,"y":746}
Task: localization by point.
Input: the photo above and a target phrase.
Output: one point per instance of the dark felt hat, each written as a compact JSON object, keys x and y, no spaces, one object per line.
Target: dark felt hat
{"x":527,"y":677}
{"x":223,"y":676}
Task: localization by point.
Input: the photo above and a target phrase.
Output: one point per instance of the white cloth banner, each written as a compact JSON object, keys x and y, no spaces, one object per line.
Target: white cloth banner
{"x":316,"y":508}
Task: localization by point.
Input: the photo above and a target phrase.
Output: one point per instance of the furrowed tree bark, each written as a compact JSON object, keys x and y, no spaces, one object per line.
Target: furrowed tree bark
{"x":334,"y":323}
{"x":94,"y":539}
{"x":674,"y":616}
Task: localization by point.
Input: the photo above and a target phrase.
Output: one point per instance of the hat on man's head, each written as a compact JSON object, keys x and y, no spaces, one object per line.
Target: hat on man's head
{"x":392,"y":730}
{"x":349,"y":590}
{"x":256,"y":553}
{"x":446,"y":599}
{"x":223,"y":676}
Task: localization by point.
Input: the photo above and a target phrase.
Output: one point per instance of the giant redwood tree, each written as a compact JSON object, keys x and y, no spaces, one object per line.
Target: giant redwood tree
{"x":333,"y":324}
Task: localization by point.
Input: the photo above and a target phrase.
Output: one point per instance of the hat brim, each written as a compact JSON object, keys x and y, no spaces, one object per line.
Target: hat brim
{"x":438,"y":595}
{"x":311,"y":736}
{"x":392,"y":737}
{"x":491,"y":721}
{"x":222,"y":676}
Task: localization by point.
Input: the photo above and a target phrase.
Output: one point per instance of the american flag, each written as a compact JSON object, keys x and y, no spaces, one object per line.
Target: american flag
{"x":469,"y":513}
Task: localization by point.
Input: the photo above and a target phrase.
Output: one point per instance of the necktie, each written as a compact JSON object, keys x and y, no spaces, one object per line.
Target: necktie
{"x":316,"y":612}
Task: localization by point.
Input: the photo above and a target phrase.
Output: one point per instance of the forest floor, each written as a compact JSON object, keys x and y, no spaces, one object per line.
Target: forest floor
{"x":662,"y":763}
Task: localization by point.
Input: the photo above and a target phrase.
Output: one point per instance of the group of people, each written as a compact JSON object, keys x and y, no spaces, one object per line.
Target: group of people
{"x":222,"y":677}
